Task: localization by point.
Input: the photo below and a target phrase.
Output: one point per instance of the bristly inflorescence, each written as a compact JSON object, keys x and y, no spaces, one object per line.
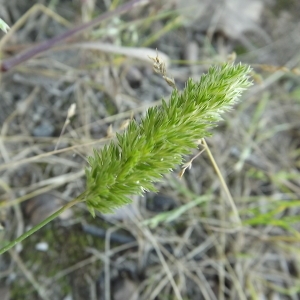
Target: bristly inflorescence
{"x":147,"y":151}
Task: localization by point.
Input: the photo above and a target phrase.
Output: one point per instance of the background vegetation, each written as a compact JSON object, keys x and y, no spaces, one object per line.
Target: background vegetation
{"x":179,"y":243}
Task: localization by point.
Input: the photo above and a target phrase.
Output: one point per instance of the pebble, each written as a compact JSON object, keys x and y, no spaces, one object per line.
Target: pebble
{"x":45,"y":129}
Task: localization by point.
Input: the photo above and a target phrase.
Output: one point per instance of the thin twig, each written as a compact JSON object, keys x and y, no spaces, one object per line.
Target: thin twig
{"x":149,"y":235}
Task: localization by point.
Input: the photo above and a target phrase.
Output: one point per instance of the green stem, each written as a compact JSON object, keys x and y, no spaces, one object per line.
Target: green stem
{"x":42,"y":224}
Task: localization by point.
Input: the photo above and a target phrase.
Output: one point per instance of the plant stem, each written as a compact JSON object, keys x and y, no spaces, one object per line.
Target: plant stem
{"x":42,"y":224}
{"x":223,"y":183}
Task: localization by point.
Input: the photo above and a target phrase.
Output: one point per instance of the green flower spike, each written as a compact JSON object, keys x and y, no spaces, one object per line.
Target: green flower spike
{"x":146,"y":151}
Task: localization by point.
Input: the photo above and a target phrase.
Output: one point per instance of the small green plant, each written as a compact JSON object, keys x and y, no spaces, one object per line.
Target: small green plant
{"x":146,"y":151}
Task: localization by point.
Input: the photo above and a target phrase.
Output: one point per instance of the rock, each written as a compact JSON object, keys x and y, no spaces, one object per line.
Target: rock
{"x":45,"y":129}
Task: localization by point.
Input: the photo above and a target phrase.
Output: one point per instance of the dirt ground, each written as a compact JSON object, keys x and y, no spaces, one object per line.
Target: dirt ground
{"x":179,"y":243}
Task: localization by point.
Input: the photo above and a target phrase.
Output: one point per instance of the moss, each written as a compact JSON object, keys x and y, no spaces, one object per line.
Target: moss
{"x":286,"y":5}
{"x":66,"y":247}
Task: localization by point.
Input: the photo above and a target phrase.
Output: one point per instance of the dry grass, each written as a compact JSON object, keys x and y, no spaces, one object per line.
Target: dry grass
{"x":193,"y":251}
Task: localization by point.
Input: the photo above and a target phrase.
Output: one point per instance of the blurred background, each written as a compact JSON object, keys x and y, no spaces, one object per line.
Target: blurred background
{"x":57,"y":105}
